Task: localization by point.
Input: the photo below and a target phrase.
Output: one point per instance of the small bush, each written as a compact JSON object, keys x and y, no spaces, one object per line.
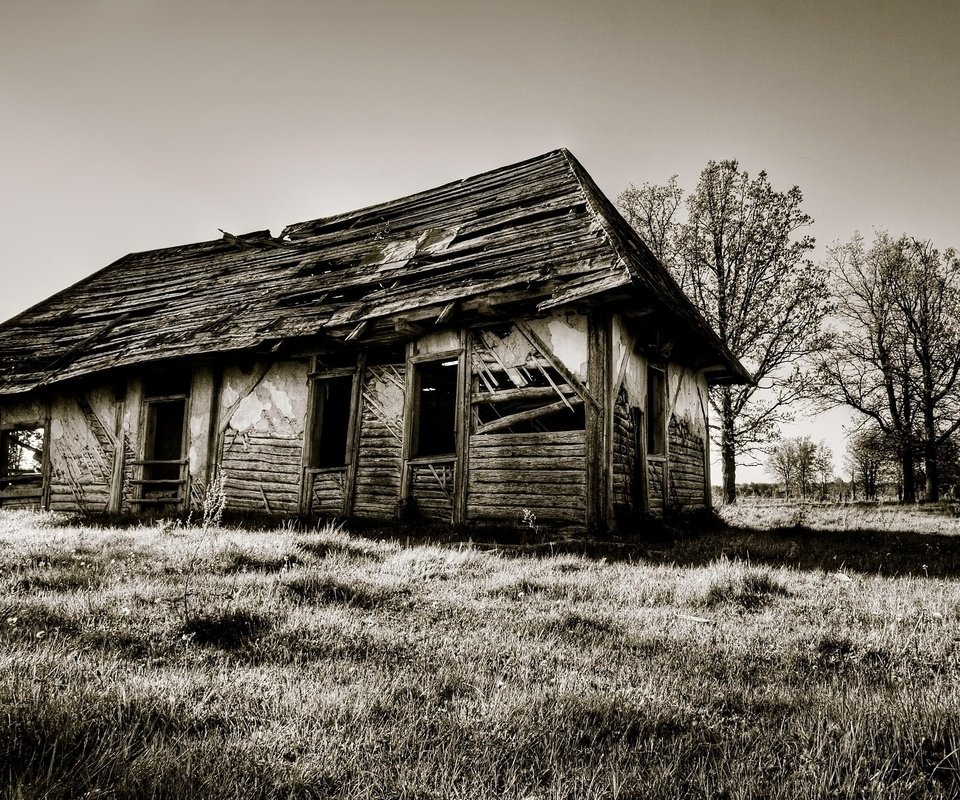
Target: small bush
{"x":730,"y":583}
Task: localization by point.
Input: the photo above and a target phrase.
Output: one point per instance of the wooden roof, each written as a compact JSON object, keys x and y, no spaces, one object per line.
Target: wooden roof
{"x":537,"y":234}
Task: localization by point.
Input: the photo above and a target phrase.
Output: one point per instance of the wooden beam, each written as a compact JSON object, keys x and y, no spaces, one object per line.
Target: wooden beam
{"x":523,"y":393}
{"x":357,"y":332}
{"x":524,"y":416}
{"x":531,"y":336}
{"x":353,"y":433}
{"x":411,"y":388}
{"x":446,"y":314}
{"x":404,"y":326}
{"x":462,"y":466}
{"x":598,"y":370}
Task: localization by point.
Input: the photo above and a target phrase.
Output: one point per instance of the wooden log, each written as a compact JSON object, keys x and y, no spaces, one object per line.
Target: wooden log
{"x":524,"y":416}
{"x":533,"y":438}
{"x":528,"y":478}
{"x":524,"y":393}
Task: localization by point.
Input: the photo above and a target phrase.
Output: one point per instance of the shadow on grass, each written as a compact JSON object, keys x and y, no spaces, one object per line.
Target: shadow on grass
{"x":695,"y":539}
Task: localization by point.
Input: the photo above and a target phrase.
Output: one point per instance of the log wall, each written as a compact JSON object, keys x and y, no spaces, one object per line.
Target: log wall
{"x":431,"y":490}
{"x":542,"y":472}
{"x":687,"y":482}
{"x":624,"y":456}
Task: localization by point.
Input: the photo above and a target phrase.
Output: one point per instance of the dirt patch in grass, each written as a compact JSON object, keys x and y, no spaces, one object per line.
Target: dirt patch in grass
{"x":580,"y":627}
{"x":327,"y":589}
{"x":228,"y":629}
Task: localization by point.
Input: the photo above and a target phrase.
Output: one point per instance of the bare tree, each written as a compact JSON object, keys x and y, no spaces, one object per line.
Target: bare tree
{"x":870,"y":456}
{"x":895,"y":354}
{"x":801,"y":465}
{"x":740,"y":256}
{"x":926,"y":291}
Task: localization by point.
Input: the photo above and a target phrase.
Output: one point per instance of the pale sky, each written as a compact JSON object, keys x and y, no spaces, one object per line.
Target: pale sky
{"x":131,"y":125}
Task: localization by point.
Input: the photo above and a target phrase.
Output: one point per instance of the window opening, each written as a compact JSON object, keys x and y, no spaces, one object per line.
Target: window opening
{"x":332,"y":422}
{"x":21,"y":458}
{"x":656,"y":412}
{"x":436,"y":411}
{"x":526,"y":393}
{"x":165,"y":401}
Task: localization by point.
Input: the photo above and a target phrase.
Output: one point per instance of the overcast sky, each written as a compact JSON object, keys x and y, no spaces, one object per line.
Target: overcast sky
{"x":131,"y":125}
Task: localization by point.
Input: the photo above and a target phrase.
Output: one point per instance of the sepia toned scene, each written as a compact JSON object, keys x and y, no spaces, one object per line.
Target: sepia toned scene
{"x":595,"y":435}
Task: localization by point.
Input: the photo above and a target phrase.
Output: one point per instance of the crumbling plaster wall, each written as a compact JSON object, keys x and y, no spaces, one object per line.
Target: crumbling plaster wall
{"x":262,"y":412}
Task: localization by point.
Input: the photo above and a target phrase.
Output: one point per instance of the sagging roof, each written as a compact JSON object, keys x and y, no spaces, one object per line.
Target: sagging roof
{"x":539,"y":231}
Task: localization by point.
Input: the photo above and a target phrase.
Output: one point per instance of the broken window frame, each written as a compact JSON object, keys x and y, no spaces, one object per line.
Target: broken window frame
{"x":656,"y":411}
{"x":546,"y":402}
{"x":450,"y":360}
{"x":14,"y":486}
{"x":154,"y":488}
{"x":319,"y":380}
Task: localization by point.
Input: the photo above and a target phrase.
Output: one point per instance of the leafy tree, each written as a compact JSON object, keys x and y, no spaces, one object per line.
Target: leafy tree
{"x":739,"y":254}
{"x":895,"y":354}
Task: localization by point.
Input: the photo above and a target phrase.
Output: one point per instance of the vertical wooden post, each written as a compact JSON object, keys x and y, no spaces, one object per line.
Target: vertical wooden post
{"x":116,"y":479}
{"x":46,"y":468}
{"x":213,"y":426}
{"x":353,"y":433}
{"x":309,"y":428}
{"x":411,"y":388}
{"x":598,"y":370}
{"x":707,"y":484}
{"x":461,"y":469}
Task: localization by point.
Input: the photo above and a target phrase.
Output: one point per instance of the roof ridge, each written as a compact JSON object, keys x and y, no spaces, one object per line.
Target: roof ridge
{"x":422,"y":192}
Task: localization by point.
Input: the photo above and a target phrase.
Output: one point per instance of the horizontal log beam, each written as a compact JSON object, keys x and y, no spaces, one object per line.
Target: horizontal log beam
{"x":523,"y":416}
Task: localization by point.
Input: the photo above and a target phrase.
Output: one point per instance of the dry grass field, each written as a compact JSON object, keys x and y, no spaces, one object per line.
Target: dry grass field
{"x":170,"y":662}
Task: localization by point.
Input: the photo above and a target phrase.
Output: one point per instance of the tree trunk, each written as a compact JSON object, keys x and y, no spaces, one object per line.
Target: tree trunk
{"x":932,"y":489}
{"x":909,"y":476}
{"x":727,"y":448}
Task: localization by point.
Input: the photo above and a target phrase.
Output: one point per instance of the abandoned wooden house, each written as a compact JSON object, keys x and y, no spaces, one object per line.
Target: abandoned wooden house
{"x":499,"y":345}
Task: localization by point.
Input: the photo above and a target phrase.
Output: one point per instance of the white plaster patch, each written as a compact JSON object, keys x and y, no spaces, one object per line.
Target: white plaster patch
{"x":438,"y":342}
{"x":230,"y":395}
{"x":568,"y":340}
{"x":198,"y":424}
{"x":56,"y":429}
{"x":250,"y":410}
{"x":281,"y":400}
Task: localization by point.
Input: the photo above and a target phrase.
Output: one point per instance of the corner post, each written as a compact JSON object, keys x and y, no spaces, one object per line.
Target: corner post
{"x":598,"y":371}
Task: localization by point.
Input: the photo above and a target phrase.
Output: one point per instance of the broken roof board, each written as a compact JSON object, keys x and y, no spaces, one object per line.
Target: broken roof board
{"x":540,"y":227}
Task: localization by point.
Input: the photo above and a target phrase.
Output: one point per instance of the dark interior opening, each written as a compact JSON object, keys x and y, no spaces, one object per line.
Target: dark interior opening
{"x":436,"y":408}
{"x":333,"y":396}
{"x":164,"y":442}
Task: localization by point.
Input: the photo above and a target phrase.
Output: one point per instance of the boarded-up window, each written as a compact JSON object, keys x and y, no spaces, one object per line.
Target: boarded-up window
{"x":332,"y":421}
{"x":656,"y":412}
{"x":436,"y":408}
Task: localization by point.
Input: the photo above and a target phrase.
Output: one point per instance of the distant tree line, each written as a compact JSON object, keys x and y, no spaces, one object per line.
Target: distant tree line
{"x":875,"y":327}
